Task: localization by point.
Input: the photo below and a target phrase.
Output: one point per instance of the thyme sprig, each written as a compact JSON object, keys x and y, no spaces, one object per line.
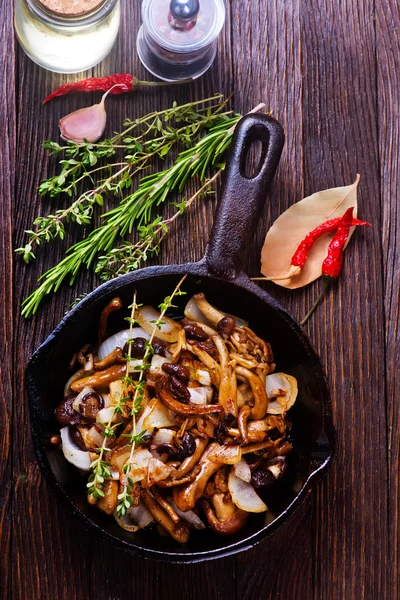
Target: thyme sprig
{"x":136,"y":208}
{"x":125,"y":497}
{"x":100,"y":467}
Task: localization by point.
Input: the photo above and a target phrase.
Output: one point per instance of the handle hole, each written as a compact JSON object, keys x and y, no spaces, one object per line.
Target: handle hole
{"x":253,"y":158}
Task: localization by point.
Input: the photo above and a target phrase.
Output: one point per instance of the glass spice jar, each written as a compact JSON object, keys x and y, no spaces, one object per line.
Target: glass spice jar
{"x":178,"y":38}
{"x":67,"y":36}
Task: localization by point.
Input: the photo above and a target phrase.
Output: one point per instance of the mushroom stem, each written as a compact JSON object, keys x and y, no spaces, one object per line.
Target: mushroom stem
{"x":227,"y":389}
{"x":191,"y":461}
{"x":212,"y":314}
{"x":166,"y":506}
{"x":179,"y":407}
{"x":260,"y":395}
{"x":208,"y":360}
{"x":242,"y":422}
{"x":231,"y":525}
{"x":116,"y":356}
{"x":178,"y":531}
{"x":114,"y":304}
{"x":101,"y":380}
{"x":185,"y":497}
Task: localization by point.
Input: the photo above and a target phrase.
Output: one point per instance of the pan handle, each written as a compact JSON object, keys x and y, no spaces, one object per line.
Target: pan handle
{"x":242,"y":199}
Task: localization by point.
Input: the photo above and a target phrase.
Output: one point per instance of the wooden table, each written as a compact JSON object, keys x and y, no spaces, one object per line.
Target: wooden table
{"x":330,"y":73}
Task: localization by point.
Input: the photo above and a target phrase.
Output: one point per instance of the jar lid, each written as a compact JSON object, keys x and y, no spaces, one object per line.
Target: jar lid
{"x":199,"y":34}
{"x":71,"y":8}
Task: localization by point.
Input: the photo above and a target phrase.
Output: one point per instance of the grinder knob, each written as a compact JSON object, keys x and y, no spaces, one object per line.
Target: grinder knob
{"x":184,"y":10}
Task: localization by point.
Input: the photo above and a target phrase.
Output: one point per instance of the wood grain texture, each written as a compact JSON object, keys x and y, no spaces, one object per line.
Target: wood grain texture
{"x":340,"y":139}
{"x":7,"y":178}
{"x":388,"y":86}
{"x":330,"y":73}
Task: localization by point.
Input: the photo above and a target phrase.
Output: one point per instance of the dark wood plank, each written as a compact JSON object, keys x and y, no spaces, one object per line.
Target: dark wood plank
{"x":340,"y":139}
{"x":271,"y":73}
{"x":50,"y":551}
{"x":7,"y":176}
{"x":388,"y":63}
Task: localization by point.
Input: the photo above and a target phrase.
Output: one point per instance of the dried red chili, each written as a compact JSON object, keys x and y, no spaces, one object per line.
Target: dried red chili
{"x":124,"y":81}
{"x":333,"y":262}
{"x":300,"y":256}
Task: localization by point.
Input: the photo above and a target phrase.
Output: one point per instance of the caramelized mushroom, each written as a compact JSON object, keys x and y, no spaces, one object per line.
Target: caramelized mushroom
{"x":183,"y":409}
{"x":108,"y":503}
{"x":212,"y":314}
{"x":227,"y":387}
{"x":99,"y":380}
{"x":232,"y":524}
{"x":116,"y":356}
{"x":242,"y":422}
{"x":114,"y":304}
{"x":185,"y":497}
{"x":260,"y":396}
{"x":178,"y":531}
{"x":65,"y":413}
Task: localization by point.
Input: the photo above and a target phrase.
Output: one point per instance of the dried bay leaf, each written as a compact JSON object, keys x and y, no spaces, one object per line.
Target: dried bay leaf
{"x":291,"y":228}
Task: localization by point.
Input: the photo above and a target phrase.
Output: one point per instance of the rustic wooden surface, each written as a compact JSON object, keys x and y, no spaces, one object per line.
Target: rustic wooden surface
{"x":331,"y":74}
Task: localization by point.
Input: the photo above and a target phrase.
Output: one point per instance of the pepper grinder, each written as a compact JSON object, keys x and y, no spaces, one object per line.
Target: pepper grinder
{"x":178,"y":38}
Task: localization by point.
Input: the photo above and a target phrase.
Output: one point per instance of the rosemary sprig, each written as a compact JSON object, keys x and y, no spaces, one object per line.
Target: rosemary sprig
{"x":130,"y":256}
{"x":138,"y":152}
{"x":136,"y":208}
{"x":125,"y":497}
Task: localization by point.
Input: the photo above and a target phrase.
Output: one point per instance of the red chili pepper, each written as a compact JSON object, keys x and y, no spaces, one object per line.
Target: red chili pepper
{"x":300,"y":256}
{"x":125,"y":82}
{"x":332,"y":264}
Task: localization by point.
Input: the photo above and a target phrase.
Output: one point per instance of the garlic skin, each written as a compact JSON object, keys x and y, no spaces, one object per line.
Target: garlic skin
{"x":86,"y":123}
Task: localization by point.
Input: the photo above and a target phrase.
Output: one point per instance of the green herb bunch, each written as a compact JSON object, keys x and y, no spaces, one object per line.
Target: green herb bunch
{"x":155,"y":138}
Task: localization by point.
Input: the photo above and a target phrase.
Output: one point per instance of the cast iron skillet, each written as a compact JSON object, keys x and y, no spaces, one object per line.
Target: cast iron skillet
{"x":220,"y":276}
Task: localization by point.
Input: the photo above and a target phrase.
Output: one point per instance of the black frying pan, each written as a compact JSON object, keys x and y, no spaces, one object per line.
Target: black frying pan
{"x":220,"y":276}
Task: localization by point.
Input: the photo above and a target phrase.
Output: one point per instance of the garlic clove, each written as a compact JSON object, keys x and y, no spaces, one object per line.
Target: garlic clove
{"x":86,"y":123}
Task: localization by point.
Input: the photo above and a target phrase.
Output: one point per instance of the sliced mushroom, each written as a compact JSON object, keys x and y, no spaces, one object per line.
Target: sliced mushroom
{"x":114,"y":304}
{"x":243,"y":361}
{"x":185,"y":497}
{"x":213,"y":458}
{"x":191,"y":461}
{"x":178,"y":531}
{"x":176,"y":348}
{"x":260,"y":396}
{"x":167,"y":483}
{"x":116,"y":356}
{"x":232,"y":524}
{"x":213,"y":315}
{"x":166,"y":506}
{"x":207,"y":360}
{"x":244,"y":414}
{"x":227,"y":387}
{"x":108,"y":502}
{"x":99,"y":380}
{"x":179,"y":407}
